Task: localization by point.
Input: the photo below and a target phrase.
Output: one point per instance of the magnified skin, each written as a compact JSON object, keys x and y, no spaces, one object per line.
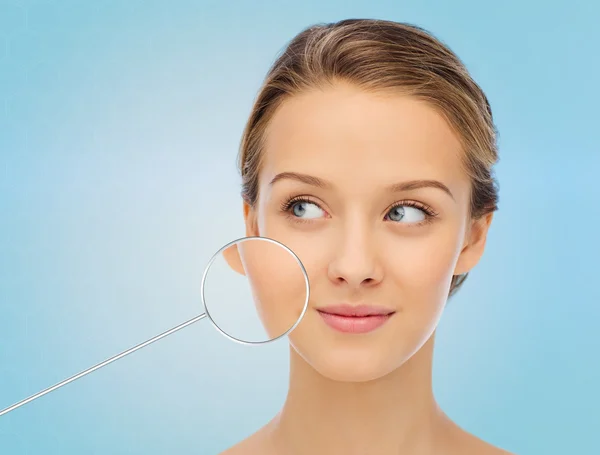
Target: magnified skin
{"x":276,"y":279}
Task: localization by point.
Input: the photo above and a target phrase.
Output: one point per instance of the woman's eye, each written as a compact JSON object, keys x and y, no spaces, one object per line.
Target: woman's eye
{"x":302,"y":209}
{"x":406,"y":214}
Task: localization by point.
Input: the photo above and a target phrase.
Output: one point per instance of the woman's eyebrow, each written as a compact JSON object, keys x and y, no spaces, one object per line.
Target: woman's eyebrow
{"x":394,"y":188}
{"x":304,"y":178}
{"x":416,"y":184}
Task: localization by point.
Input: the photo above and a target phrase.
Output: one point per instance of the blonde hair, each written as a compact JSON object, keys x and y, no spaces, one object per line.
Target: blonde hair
{"x":378,"y":55}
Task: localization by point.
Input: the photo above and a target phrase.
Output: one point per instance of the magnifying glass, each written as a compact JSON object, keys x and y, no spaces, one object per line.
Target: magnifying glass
{"x":278,"y":284}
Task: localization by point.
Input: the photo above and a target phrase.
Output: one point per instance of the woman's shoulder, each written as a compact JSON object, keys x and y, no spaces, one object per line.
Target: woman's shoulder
{"x":245,"y":447}
{"x":459,"y":441}
{"x":488,"y":449}
{"x":256,"y":443}
{"x":472,"y":445}
{"x":241,"y":448}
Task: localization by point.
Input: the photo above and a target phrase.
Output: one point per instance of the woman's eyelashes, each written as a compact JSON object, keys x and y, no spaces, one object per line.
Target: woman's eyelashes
{"x":410,"y":212}
{"x":302,"y":209}
{"x":305,"y":209}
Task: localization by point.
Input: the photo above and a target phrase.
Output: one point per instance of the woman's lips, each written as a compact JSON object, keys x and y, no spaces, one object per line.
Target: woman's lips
{"x":355,"y":319}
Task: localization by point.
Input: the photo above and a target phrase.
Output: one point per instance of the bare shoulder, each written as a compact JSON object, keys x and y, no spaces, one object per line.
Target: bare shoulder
{"x":483,"y":448}
{"x":466,"y":443}
{"x":256,"y":443}
{"x":472,"y":445}
{"x":235,"y":450}
{"x":246,"y":447}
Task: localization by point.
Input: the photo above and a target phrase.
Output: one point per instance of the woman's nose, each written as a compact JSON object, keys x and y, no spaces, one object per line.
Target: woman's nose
{"x":355,"y":260}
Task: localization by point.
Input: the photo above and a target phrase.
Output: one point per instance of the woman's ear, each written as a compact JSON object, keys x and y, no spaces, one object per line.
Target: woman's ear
{"x":474,"y":244}
{"x":250,"y":221}
{"x":232,"y":253}
{"x":232,"y":256}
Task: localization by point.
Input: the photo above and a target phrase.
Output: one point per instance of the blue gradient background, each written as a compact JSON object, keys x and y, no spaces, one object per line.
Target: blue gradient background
{"x":119,"y":128}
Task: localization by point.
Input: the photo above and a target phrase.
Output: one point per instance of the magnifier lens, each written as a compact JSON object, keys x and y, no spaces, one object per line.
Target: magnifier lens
{"x":255,"y":290}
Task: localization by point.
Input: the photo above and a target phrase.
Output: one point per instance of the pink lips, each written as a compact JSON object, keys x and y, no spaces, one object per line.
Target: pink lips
{"x":355,"y":319}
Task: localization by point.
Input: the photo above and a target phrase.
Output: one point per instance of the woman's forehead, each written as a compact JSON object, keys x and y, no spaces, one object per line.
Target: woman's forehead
{"x":348,"y":132}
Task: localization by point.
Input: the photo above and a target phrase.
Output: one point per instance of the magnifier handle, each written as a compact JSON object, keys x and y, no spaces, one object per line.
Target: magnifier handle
{"x":102,"y":364}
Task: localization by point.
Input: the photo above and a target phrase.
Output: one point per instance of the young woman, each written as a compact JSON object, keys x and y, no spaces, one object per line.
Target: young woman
{"x":369,"y":152}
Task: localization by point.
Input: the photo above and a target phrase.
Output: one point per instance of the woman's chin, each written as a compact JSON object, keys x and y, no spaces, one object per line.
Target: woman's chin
{"x":360,"y":365}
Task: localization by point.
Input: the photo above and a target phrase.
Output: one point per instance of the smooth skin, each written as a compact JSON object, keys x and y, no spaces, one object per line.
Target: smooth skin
{"x":274,"y":277}
{"x":348,"y":153}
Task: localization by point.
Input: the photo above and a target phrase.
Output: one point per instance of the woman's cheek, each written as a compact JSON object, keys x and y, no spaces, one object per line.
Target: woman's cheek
{"x":275,"y":277}
{"x":422,"y":261}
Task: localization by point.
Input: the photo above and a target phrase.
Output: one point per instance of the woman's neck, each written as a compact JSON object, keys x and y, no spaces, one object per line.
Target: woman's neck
{"x":390,"y":415}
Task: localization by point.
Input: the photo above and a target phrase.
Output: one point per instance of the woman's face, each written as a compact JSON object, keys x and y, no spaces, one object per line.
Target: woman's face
{"x":369,"y":192}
